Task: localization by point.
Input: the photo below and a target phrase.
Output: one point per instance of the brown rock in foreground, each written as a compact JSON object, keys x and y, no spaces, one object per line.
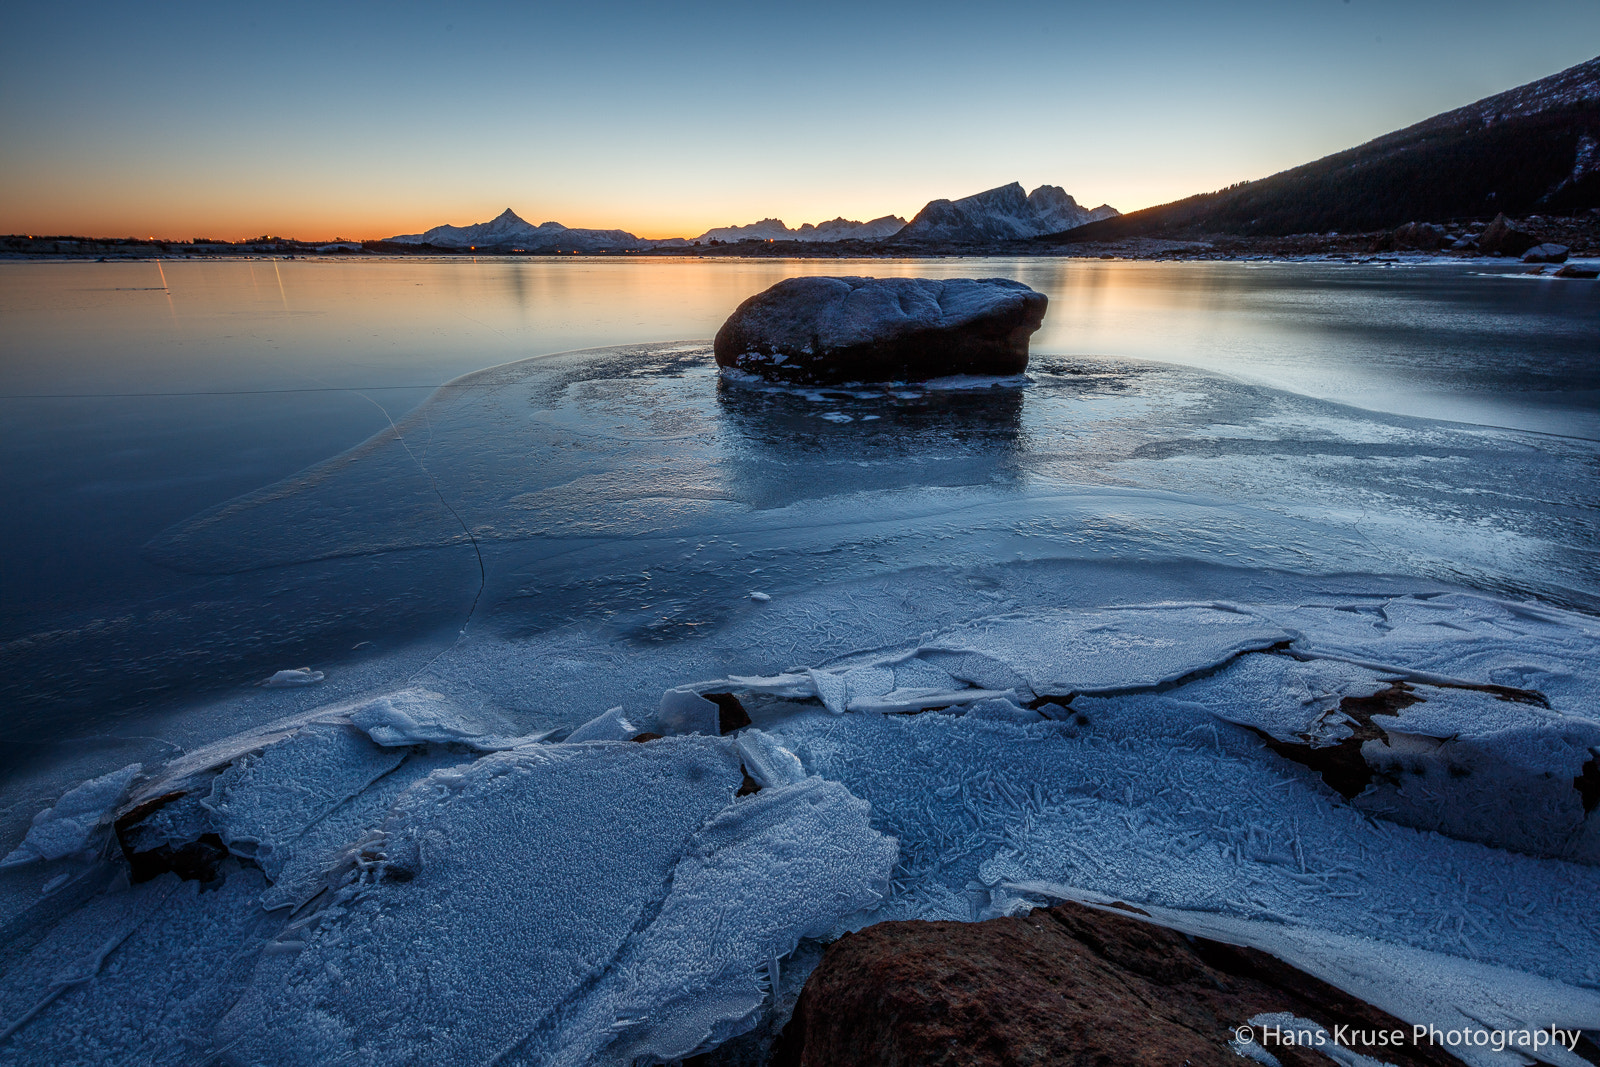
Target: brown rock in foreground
{"x":1063,"y":985}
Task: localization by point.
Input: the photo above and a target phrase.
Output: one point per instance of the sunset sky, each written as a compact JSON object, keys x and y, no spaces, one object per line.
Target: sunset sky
{"x":366,"y":120}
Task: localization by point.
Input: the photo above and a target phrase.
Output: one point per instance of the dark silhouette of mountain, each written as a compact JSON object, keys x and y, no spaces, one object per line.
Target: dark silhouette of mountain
{"x":1532,"y":149}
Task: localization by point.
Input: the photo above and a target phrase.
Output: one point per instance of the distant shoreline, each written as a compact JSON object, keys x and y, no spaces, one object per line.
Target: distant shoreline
{"x":1580,"y":234}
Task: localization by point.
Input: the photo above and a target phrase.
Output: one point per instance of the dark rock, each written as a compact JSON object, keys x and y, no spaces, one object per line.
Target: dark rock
{"x":1063,"y":985}
{"x":1342,"y":766}
{"x":199,"y":860}
{"x":1420,"y":235}
{"x":646,"y":736}
{"x":1545,"y":253}
{"x":1588,"y":785}
{"x":818,"y":330}
{"x":1501,"y":238}
{"x":731,"y":715}
{"x":1571,"y":271}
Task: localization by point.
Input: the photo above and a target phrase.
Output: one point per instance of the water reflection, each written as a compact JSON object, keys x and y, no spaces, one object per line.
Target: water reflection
{"x":785,"y":444}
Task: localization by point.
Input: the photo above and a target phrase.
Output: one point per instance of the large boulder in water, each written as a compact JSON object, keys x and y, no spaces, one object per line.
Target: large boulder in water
{"x":882,"y":329}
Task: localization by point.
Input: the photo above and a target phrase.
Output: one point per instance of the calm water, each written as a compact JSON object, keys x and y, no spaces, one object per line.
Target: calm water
{"x":139,"y":399}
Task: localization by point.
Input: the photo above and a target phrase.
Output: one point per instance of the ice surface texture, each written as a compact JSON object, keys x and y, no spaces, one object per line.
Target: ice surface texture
{"x":411,"y":884}
{"x":541,"y":902}
{"x":1495,"y":736}
{"x":882,"y":329}
{"x":446,"y":900}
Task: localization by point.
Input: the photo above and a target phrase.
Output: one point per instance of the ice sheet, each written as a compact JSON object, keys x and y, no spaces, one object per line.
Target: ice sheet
{"x":581,"y":876}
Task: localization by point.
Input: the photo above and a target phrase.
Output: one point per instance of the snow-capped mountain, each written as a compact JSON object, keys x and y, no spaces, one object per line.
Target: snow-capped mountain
{"x":509,"y":229}
{"x":839,"y":229}
{"x":1003,"y":214}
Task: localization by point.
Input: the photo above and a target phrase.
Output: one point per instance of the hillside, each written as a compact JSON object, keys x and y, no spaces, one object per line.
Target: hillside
{"x":1532,"y":149}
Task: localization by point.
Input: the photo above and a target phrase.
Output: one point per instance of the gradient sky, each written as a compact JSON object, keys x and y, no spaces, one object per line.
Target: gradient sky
{"x":370,"y":119}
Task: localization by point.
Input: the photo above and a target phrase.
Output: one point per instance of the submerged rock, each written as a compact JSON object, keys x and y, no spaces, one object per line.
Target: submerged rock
{"x":882,"y":329}
{"x":1071,"y":985}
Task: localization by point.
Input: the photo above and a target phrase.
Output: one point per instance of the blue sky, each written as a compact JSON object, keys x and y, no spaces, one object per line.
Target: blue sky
{"x":364,"y":120}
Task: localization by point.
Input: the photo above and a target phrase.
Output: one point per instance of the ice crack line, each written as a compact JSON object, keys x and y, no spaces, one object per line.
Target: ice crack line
{"x":483,"y":574}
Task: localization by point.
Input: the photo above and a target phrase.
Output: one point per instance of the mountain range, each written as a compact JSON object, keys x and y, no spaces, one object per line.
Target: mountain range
{"x":1006,"y":213}
{"x":840,"y":229}
{"x":1532,"y":149}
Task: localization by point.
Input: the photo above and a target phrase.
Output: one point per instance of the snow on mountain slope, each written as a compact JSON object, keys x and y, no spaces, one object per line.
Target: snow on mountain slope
{"x":839,"y":229}
{"x":509,"y":229}
{"x":1006,"y":213}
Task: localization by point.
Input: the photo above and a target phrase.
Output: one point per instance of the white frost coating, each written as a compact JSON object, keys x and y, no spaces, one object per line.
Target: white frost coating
{"x":296,"y":676}
{"x":1462,"y":637}
{"x":1197,"y":815}
{"x":610,"y":725}
{"x":420,"y":716}
{"x":1252,"y":1051}
{"x":69,"y":826}
{"x":1116,"y":648}
{"x":136,"y":977}
{"x":1289,"y":699}
{"x":1494,"y":767}
{"x":263,"y":801}
{"x":767,"y":761}
{"x":1311,"y":1034}
{"x":683,"y":711}
{"x":787,"y":863}
{"x":533,"y":867}
{"x":876,"y":687}
{"x":1003,"y":709}
{"x":1023,"y":654}
{"x":580,"y":877}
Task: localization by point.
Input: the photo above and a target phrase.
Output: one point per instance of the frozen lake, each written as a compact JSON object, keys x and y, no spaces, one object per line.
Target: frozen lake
{"x":138,"y":395}
{"x":1065,"y":635}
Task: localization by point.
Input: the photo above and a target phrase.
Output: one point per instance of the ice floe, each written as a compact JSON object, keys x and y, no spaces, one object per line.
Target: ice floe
{"x":598,"y":883}
{"x":636,"y":895}
{"x":70,"y":826}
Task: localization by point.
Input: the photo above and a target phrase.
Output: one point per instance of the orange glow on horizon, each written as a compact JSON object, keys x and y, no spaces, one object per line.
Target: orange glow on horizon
{"x":183,"y":214}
